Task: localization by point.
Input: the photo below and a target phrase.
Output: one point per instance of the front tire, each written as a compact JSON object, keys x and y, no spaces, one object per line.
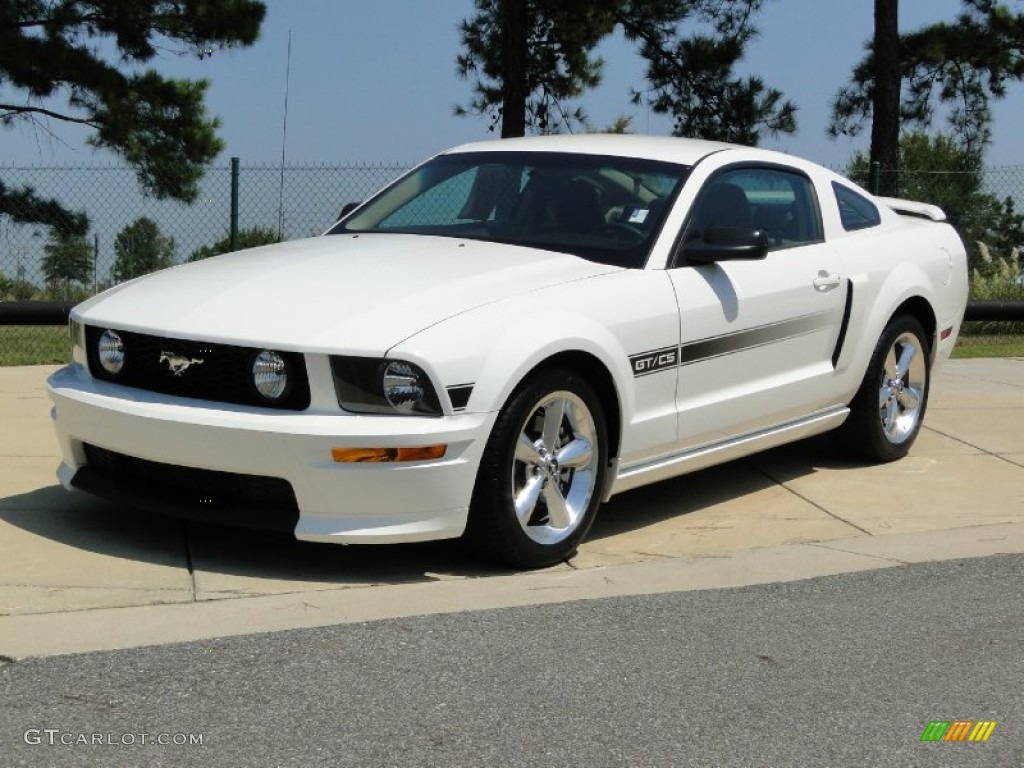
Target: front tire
{"x":541,"y":474}
{"x":887,"y":412}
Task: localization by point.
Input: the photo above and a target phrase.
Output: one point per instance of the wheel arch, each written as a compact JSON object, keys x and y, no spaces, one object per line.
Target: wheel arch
{"x":921,"y":310}
{"x":598,"y":377}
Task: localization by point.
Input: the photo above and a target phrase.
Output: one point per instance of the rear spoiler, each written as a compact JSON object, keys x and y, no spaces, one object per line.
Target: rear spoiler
{"x":912,"y":208}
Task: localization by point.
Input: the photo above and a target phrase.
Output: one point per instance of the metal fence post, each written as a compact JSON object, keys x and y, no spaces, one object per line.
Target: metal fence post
{"x":875,"y":178}
{"x":234,"y":203}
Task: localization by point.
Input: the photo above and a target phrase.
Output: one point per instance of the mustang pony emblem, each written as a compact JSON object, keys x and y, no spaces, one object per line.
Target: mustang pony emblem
{"x":178,"y":363}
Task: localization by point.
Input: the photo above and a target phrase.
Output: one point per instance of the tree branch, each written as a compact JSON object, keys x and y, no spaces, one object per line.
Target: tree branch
{"x":14,"y":109}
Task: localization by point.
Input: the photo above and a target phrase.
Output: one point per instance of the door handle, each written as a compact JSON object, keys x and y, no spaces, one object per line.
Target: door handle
{"x":826,"y":280}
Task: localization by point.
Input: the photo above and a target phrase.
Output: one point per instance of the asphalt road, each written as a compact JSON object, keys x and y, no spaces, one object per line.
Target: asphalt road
{"x":836,"y":671}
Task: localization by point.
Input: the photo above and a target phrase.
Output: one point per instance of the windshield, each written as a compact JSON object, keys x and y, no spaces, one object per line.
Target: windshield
{"x":605,"y":209}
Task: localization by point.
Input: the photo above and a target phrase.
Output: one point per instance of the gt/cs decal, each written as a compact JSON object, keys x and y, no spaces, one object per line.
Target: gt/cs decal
{"x":652,"y":362}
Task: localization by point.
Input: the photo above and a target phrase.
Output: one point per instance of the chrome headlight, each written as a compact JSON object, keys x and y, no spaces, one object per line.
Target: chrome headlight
{"x":270,"y":374}
{"x":110,"y":352}
{"x":366,"y":385}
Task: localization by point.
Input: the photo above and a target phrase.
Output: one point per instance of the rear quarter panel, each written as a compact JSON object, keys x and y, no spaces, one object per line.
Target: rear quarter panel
{"x":903,"y":259}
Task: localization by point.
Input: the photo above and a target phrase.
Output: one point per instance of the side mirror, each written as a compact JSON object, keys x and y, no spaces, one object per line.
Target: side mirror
{"x":726,"y":244}
{"x":346,"y":209}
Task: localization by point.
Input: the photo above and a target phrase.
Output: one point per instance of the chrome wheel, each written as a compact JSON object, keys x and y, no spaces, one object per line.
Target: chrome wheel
{"x":887,"y":412}
{"x":554,"y":467}
{"x":902,"y":391}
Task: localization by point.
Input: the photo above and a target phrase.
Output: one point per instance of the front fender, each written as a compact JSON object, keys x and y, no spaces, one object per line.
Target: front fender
{"x":495,"y":355}
{"x":610,"y":318}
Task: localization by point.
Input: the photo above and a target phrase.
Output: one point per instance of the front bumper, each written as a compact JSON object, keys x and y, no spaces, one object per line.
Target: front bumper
{"x":337,"y":502}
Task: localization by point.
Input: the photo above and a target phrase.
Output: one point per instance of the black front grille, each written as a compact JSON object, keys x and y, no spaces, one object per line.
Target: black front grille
{"x":253,"y":501}
{"x":218,"y":372}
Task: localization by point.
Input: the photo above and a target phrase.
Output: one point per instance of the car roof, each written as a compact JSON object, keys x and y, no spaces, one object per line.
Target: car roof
{"x":667,"y":148}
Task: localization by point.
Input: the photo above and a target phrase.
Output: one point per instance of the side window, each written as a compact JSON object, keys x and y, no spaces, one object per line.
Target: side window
{"x":780,"y":202}
{"x":855,"y":210}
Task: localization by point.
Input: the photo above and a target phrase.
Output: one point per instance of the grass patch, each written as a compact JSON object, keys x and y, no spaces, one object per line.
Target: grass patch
{"x":34,"y":344}
{"x":1009,"y":345}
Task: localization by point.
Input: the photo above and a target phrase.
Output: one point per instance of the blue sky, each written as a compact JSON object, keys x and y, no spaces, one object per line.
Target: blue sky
{"x":376,"y":82}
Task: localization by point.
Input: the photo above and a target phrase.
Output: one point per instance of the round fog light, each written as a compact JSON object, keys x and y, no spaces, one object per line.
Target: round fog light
{"x":269,"y":374}
{"x":110,"y":352}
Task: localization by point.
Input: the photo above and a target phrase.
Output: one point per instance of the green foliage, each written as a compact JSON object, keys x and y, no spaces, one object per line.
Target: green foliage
{"x":938,"y":170}
{"x":622,"y":124}
{"x":18,"y":290}
{"x":250,"y":237}
{"x":528,"y":58}
{"x":53,"y":48}
{"x":25,"y":206}
{"x":141,"y":248}
{"x":962,"y":65}
{"x":996,"y":279}
{"x":691,"y":76}
{"x":68,"y":259}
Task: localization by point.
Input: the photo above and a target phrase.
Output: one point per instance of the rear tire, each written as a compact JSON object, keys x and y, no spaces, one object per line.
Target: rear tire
{"x":887,"y":412}
{"x":541,"y":474}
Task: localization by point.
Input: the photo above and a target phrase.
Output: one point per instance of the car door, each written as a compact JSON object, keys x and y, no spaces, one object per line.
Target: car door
{"x":757,"y":336}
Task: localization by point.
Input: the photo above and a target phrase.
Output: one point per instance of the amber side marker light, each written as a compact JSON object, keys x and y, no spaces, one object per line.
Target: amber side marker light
{"x":383,"y":455}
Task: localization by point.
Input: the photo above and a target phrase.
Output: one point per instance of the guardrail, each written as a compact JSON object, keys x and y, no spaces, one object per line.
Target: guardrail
{"x":56,"y":312}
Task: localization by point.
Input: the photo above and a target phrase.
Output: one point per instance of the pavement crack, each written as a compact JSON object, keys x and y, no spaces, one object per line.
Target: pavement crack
{"x":978,"y":448}
{"x":824,"y":545}
{"x":810,"y":501}
{"x":188,"y":560}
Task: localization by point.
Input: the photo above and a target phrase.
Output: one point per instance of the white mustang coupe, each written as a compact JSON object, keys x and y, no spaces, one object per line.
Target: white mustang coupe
{"x":509,"y":335}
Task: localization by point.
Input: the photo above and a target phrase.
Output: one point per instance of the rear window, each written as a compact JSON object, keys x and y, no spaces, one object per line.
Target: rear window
{"x":855,"y":210}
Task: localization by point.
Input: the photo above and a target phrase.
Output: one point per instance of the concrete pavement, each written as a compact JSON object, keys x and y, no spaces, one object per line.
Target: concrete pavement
{"x":79,"y":574}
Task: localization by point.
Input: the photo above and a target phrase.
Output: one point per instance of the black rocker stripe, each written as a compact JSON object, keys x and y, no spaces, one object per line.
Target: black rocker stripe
{"x":646,"y":363}
{"x":459,"y":395}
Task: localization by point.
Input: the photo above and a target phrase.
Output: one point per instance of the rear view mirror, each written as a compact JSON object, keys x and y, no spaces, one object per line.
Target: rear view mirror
{"x":726,"y":244}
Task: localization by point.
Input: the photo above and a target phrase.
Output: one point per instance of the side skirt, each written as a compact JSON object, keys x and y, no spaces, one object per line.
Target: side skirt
{"x":718,"y":453}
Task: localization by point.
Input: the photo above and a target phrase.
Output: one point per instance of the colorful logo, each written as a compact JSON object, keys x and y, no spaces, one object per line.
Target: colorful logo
{"x":958,"y":730}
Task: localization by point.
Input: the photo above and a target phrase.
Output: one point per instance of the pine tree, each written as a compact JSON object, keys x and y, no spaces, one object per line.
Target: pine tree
{"x":54,"y":49}
{"x":529,"y":59}
{"x":141,"y":248}
{"x":962,"y":65}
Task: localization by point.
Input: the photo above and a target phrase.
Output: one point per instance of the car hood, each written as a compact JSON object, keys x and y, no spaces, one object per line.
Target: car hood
{"x":341,"y":293}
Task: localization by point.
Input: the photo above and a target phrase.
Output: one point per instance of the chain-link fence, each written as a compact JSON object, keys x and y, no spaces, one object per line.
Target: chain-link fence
{"x":130,"y":233}
{"x":37,"y":263}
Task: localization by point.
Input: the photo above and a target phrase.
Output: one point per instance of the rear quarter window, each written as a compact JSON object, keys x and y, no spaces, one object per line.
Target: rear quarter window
{"x":855,"y":210}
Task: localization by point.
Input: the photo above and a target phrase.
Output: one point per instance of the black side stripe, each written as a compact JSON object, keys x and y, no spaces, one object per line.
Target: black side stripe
{"x":645,"y":363}
{"x":739,"y":341}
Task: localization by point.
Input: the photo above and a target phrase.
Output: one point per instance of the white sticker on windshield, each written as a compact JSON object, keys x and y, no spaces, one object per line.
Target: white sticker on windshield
{"x":639,"y":216}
